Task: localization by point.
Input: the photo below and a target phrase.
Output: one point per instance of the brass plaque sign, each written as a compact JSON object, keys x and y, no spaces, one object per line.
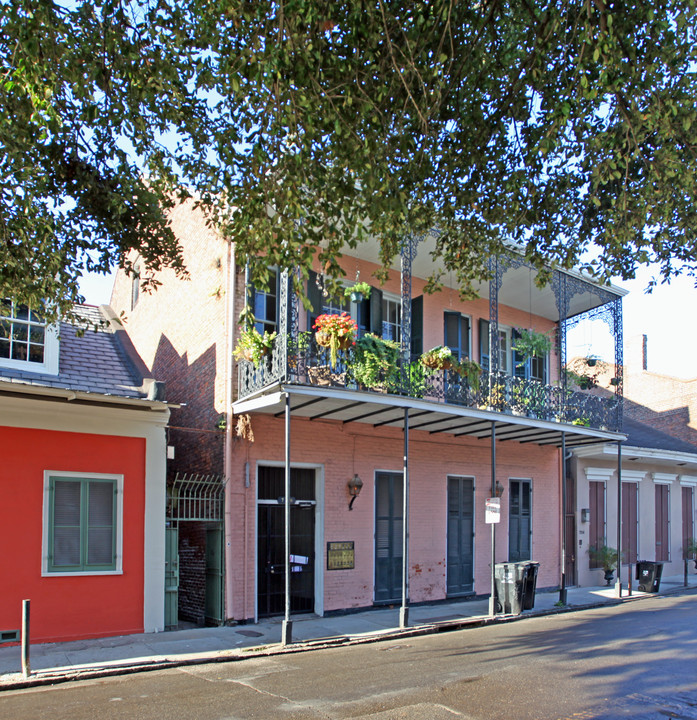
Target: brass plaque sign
{"x":341,"y":556}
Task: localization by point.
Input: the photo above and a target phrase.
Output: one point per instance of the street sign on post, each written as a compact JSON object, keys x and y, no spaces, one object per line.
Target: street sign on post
{"x":493,"y":510}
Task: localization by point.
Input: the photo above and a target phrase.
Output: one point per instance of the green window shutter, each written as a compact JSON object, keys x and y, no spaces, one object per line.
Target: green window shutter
{"x":82,"y":524}
{"x":314,"y":295}
{"x":521,"y":366}
{"x":65,"y":524}
{"x":101,"y":508}
{"x":417,"y":326}
{"x":375,"y":301}
{"x":484,"y":353}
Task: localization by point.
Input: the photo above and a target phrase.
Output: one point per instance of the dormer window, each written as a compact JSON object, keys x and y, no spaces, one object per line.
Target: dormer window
{"x":26,"y":342}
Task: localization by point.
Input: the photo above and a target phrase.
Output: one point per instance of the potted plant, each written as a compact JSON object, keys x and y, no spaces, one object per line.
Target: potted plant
{"x":592,"y":360}
{"x":337,"y":332}
{"x":438,"y":358}
{"x":358,"y":292}
{"x":581,"y":422}
{"x":606,"y":558}
{"x":471,"y":370}
{"x":375,"y":362}
{"x":253,"y":346}
{"x":531,"y":343}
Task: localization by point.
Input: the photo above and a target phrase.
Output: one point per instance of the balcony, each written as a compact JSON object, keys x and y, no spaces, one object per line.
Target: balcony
{"x":302,"y":362}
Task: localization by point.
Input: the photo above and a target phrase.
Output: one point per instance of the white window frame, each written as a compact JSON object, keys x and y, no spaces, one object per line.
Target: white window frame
{"x":118,"y":541}
{"x":390,"y":298}
{"x":505,"y":333}
{"x":50,"y":364}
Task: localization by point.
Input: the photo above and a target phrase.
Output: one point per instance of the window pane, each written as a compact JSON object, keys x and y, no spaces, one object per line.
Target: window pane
{"x":19,"y":352}
{"x":6,"y":307}
{"x":4,"y":348}
{"x":36,"y":334}
{"x":36,"y":353}
{"x":66,"y":502}
{"x":21,"y":312}
{"x":20,"y":332}
{"x":101,"y":504}
{"x":5,"y":328}
{"x":100,"y":546}
{"x":66,"y":546}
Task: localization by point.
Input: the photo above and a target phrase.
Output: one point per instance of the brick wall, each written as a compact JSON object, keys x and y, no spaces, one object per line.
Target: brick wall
{"x":338,"y":451}
{"x":192,"y":572}
{"x":180,"y":332}
{"x":667,"y":403}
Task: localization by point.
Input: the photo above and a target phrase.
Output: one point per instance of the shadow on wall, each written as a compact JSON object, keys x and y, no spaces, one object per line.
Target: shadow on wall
{"x":193,"y":429}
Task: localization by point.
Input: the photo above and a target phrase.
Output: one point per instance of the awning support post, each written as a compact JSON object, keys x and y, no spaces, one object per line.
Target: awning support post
{"x":404,"y":610}
{"x":287,"y":629}
{"x":618,"y":583}
{"x":492,"y":597}
{"x":562,"y":585}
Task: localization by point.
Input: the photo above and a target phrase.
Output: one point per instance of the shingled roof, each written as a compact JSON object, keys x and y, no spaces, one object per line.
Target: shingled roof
{"x":640,"y":435}
{"x":94,"y":362}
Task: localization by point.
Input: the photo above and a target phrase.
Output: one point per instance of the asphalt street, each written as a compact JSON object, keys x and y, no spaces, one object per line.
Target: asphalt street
{"x":633,"y":661}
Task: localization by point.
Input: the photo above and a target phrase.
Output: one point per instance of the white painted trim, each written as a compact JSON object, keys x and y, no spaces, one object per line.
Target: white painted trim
{"x":319,"y":529}
{"x":664,"y":478}
{"x":51,"y":354}
{"x":598,"y":474}
{"x":48,"y":474}
{"x":688,"y":480}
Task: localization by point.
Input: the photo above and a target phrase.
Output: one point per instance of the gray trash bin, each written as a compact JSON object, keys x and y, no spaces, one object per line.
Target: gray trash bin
{"x":508,"y":588}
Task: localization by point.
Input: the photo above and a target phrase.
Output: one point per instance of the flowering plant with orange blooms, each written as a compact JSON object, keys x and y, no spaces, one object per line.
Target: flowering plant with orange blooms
{"x":337,"y":332}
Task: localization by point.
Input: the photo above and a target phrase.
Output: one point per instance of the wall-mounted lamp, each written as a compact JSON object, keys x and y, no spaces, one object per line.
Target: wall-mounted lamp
{"x":355,"y":484}
{"x":585,"y":515}
{"x":499,"y":489}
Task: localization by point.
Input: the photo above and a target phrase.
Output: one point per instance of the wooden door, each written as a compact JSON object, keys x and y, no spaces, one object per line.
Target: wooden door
{"x":388,"y":536}
{"x":460,"y":538}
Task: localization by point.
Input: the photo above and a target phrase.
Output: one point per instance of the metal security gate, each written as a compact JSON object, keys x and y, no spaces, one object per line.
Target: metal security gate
{"x":195,"y":558}
{"x":271,"y":541}
{"x":460,"y":576}
{"x":389,"y":489}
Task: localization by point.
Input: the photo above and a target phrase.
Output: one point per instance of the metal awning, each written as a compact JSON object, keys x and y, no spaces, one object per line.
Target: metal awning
{"x":378,"y":410}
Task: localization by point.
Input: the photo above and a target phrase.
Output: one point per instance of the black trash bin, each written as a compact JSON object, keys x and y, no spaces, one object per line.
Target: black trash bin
{"x":508,"y":588}
{"x":529,"y":576}
{"x":648,"y":574}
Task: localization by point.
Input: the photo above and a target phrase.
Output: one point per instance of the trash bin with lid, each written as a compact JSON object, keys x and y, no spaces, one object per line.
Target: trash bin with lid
{"x":508,"y":588}
{"x":648,"y":573}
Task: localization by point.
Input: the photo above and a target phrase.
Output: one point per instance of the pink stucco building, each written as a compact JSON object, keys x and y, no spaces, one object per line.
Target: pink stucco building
{"x":429,"y":442}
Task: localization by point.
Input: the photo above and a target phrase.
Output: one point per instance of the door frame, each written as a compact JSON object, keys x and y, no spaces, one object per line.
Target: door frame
{"x":530,"y":533}
{"x":376,"y":472}
{"x":319,"y":530}
{"x":474,"y":533}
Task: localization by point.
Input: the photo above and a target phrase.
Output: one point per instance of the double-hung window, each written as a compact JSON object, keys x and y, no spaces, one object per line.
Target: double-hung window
{"x":391,"y":318}
{"x":265,"y":305}
{"x":26,"y":342}
{"x":82,"y":523}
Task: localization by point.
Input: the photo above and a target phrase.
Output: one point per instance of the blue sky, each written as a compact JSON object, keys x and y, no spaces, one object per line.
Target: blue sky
{"x":665,"y":316}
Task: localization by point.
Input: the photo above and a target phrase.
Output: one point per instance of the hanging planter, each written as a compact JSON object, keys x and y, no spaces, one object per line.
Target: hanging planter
{"x":252,"y":346}
{"x":531,"y":343}
{"x":592,"y":360}
{"x":614,"y":381}
{"x":337,"y":332}
{"x":358,"y":292}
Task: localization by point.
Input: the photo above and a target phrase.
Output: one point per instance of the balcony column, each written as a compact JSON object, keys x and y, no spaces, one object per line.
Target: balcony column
{"x":618,"y":582}
{"x":561,"y":298}
{"x":497,"y":269}
{"x":407,"y":253}
{"x":287,"y":324}
{"x":618,"y":335}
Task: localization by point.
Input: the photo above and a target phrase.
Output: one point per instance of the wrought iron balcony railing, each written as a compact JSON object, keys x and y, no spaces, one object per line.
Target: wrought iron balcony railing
{"x":304,"y":362}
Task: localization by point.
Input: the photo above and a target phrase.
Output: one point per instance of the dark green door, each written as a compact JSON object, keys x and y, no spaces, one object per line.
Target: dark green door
{"x":519,"y":521}
{"x":388,"y":536}
{"x":214,"y":576}
{"x":460,"y":576}
{"x":271,"y":541}
{"x":171,"y":576}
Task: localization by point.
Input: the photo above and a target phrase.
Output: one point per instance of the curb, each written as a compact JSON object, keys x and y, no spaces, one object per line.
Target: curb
{"x":225,"y":656}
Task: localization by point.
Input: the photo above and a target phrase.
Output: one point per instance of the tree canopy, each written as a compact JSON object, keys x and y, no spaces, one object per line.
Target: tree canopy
{"x":303,"y":126}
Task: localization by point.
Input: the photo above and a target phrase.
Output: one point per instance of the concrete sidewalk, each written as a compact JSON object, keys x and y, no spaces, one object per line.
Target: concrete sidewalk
{"x":60,"y":662}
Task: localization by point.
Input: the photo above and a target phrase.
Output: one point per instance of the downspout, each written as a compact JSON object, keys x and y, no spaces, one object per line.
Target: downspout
{"x":227,"y":456}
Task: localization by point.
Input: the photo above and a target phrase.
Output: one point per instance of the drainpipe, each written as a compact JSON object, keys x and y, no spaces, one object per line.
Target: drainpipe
{"x":227,"y":457}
